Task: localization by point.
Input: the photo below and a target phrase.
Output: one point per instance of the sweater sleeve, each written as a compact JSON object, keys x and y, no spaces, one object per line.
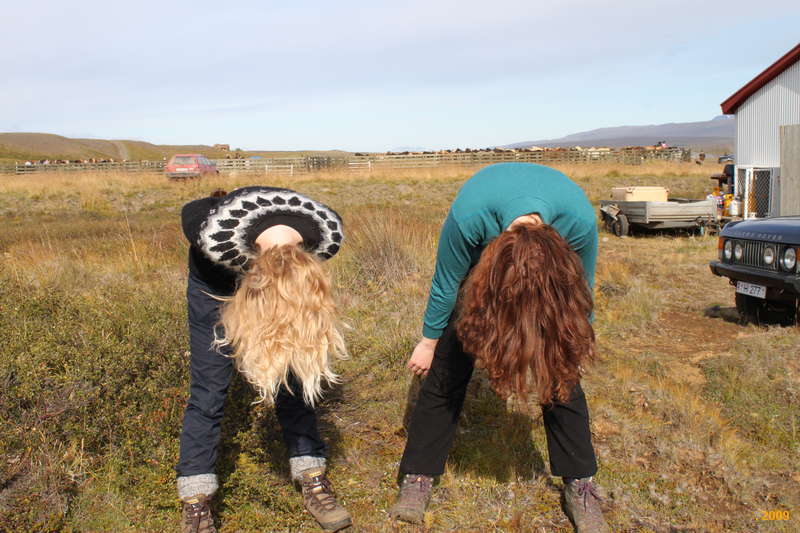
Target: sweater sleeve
{"x":452,"y":264}
{"x":192,"y":216}
{"x":586,"y":248}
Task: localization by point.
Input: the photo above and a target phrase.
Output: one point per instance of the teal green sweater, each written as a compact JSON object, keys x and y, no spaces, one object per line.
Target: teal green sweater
{"x":485,"y":206}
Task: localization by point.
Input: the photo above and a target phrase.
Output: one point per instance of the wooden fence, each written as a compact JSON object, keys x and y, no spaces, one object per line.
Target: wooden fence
{"x":635,"y":156}
{"x":117,"y":166}
{"x":370,"y":162}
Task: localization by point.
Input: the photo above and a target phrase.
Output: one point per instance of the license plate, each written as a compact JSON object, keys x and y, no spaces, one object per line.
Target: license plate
{"x":182,"y":169}
{"x":750,"y":289}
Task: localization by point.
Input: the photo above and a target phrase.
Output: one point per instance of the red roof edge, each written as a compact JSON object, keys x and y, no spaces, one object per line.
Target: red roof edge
{"x":734,"y":101}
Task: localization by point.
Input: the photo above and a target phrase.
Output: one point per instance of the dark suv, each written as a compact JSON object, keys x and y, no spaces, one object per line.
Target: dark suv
{"x":760,"y":258}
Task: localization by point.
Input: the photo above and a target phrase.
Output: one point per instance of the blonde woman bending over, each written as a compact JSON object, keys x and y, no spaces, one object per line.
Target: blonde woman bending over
{"x":259,"y":299}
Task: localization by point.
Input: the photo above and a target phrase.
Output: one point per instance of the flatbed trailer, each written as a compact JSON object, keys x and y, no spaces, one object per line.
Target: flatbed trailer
{"x":619,"y":216}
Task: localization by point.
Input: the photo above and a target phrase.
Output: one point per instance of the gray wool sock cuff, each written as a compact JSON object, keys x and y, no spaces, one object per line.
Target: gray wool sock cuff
{"x":298,"y":465}
{"x":189,"y":486}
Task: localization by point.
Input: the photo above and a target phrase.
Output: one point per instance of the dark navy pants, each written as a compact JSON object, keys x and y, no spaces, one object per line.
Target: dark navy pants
{"x":210,"y":375}
{"x":432,"y":428}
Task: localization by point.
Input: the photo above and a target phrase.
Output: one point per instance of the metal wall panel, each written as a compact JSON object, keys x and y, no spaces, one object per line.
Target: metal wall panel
{"x":790,"y":170}
{"x":759,"y":118}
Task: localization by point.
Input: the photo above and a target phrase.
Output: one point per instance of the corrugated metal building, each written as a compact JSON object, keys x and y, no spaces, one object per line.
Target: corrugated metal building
{"x":770,"y":100}
{"x":767,"y":102}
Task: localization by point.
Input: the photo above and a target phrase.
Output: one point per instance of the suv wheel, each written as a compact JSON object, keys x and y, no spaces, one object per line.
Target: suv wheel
{"x":758,"y":311}
{"x":749,"y":308}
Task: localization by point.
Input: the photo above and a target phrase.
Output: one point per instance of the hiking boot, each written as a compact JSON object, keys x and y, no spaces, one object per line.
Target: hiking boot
{"x":582,"y":504}
{"x":415,"y":493}
{"x":197,"y":517}
{"x":319,"y":499}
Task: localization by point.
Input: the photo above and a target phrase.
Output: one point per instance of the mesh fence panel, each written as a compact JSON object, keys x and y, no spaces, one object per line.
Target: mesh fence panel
{"x":741,"y":179}
{"x":761,"y":189}
{"x":754,"y":187}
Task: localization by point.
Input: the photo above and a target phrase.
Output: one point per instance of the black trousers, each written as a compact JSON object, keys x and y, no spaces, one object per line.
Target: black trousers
{"x":433,"y":423}
{"x":210,"y":376}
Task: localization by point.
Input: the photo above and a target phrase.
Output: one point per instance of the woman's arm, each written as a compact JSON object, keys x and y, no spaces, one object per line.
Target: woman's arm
{"x":192,"y":216}
{"x":452,"y":264}
{"x":586,"y":248}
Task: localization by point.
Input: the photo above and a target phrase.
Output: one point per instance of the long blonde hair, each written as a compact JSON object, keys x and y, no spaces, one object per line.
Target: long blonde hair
{"x":281,"y":319}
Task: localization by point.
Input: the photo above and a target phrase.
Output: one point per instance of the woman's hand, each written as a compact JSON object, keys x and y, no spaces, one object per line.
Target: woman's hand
{"x":420,"y":361}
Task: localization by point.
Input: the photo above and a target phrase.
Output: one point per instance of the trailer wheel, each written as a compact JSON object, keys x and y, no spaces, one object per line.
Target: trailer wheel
{"x":620,"y":227}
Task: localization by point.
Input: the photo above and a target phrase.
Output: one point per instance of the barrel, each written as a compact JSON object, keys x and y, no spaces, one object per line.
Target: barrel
{"x":735,"y":209}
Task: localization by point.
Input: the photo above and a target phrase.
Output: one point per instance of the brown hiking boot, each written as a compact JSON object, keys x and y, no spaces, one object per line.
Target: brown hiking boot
{"x":415,"y":493}
{"x":582,"y":504}
{"x":320,"y":501}
{"x":197,"y":517}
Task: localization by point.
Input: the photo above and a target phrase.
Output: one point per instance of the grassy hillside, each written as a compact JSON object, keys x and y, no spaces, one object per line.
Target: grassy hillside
{"x":695,"y":418}
{"x":22,"y":146}
{"x":37,"y":146}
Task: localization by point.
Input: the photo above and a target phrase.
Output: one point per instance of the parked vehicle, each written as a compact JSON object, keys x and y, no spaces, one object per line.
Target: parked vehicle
{"x":759,"y":256}
{"x":727,"y":158}
{"x":181,"y":166}
{"x":650,"y":208}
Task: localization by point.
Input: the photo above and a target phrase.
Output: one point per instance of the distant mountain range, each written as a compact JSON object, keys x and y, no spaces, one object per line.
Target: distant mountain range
{"x":718,"y":133}
{"x":711,"y":135}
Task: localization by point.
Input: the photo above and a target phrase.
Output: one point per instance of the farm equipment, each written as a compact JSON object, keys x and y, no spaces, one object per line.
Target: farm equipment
{"x":651,"y":208}
{"x":729,"y":207}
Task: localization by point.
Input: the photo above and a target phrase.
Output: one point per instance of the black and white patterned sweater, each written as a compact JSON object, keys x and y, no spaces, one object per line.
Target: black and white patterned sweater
{"x":222,"y":231}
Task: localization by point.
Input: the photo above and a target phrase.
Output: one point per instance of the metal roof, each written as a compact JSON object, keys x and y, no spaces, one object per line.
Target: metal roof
{"x":738,"y":98}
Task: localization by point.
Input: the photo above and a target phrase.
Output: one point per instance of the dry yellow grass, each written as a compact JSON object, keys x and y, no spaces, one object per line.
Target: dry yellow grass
{"x":98,"y":181}
{"x":694,"y":418}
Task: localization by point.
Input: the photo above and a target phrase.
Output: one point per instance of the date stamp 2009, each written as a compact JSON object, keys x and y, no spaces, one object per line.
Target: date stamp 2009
{"x":772,"y":515}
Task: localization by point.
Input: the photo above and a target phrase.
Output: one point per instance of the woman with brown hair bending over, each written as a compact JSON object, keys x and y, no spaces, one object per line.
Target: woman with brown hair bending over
{"x":259,"y":299}
{"x":522,"y":239}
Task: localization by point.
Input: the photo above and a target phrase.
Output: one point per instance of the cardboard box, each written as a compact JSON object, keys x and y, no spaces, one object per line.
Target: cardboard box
{"x":639,"y":194}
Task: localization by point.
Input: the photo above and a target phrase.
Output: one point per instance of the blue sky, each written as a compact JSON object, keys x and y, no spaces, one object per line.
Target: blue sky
{"x":376,"y":75}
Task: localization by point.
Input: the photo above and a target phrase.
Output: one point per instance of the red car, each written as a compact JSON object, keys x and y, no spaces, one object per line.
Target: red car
{"x":189,"y":166}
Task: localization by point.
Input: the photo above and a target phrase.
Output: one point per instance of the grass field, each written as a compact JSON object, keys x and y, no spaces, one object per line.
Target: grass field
{"x":696,"y":419}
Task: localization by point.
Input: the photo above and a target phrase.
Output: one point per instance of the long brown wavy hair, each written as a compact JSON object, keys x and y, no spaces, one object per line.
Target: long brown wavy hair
{"x":525,"y":310}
